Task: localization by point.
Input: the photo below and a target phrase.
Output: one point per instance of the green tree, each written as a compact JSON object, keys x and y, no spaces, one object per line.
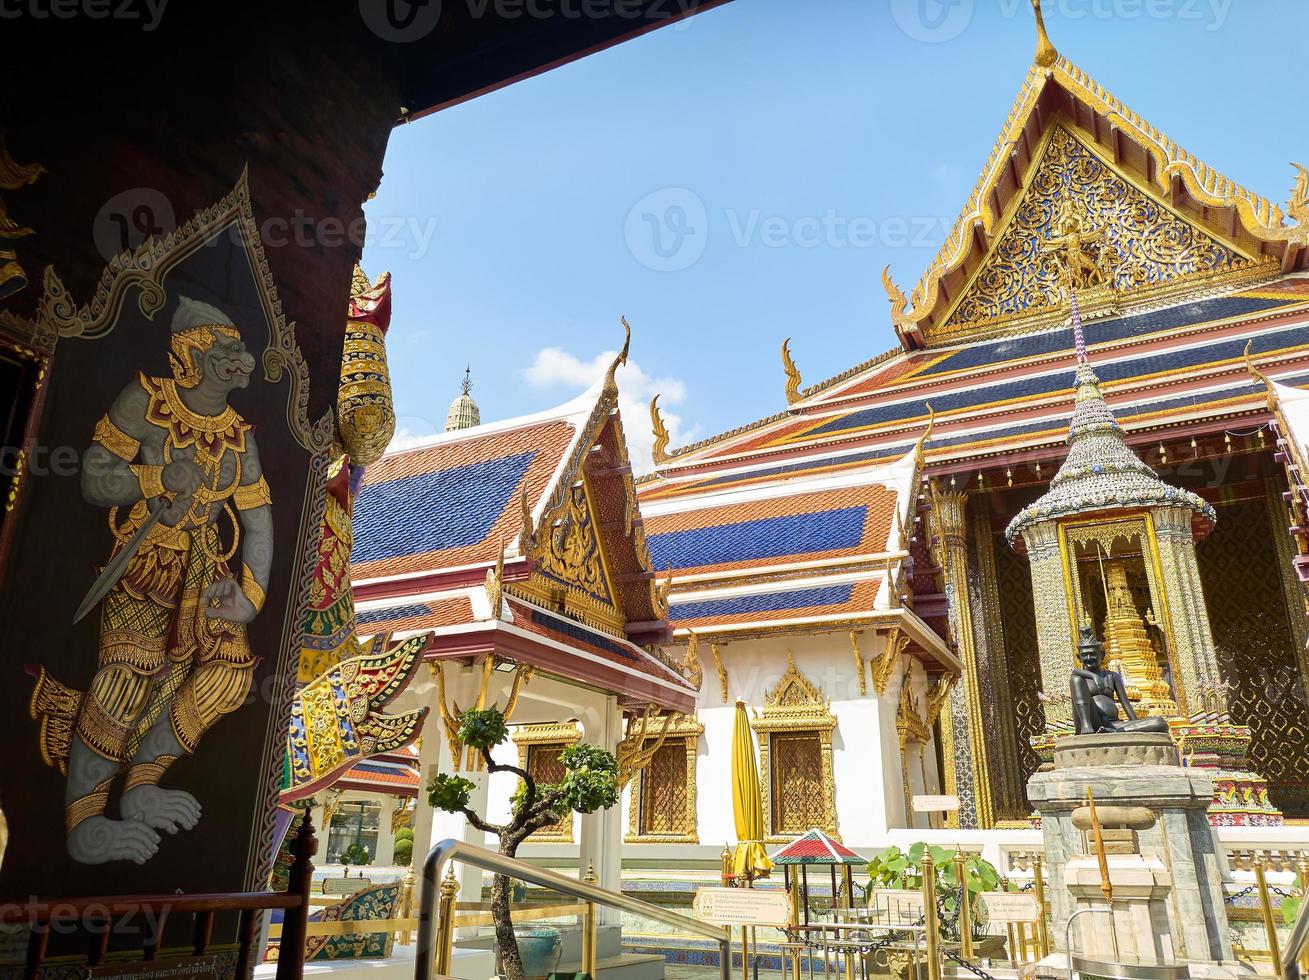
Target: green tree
{"x":590,"y":783}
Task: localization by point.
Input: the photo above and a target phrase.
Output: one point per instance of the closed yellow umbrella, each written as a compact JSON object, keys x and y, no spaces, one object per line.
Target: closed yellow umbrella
{"x":750,"y":860}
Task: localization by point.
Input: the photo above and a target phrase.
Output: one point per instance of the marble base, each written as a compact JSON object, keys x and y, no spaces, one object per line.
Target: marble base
{"x":1181,"y":838}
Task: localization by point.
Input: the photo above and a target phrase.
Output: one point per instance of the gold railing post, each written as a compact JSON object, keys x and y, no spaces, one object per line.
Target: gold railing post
{"x":589,"y":927}
{"x":965,"y":920}
{"x":407,"y":906}
{"x":933,"y":927}
{"x":795,"y":921}
{"x":445,"y":923}
{"x":1302,"y":872}
{"x":1009,"y":927}
{"x":1266,"y":910}
{"x":1042,"y":931}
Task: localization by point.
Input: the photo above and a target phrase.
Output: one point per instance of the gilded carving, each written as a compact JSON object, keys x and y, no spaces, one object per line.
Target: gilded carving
{"x":722,"y":671}
{"x":1048,"y":239}
{"x":792,"y":374}
{"x":364,"y":409}
{"x":12,"y":177}
{"x":659,"y":451}
{"x":339,"y":718}
{"x":860,"y":672}
{"x":692,"y":669}
{"x":897,"y":640}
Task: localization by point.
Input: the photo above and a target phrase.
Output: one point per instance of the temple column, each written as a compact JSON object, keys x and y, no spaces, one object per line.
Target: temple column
{"x":1197,"y":680}
{"x":1002,"y":747}
{"x":967,"y":730}
{"x":1056,"y":638}
{"x":600,"y":842}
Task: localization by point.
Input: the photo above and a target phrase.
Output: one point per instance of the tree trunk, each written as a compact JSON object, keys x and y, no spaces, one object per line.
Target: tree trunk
{"x":511,"y":963}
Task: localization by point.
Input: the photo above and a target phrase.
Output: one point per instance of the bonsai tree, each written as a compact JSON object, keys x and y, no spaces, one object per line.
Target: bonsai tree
{"x":894,"y":868}
{"x":355,"y":854}
{"x":404,"y":846}
{"x":590,"y":783}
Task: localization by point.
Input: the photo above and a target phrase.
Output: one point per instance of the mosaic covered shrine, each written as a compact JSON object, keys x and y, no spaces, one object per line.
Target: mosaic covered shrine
{"x":1111,"y":546}
{"x":1179,"y":273}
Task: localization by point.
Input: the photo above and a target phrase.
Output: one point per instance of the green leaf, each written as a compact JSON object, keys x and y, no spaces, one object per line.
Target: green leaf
{"x":482,"y":728}
{"x":940,"y":855}
{"x":1290,"y":909}
{"x":898,"y":864}
{"x":449,"y":793}
{"x":916,"y":853}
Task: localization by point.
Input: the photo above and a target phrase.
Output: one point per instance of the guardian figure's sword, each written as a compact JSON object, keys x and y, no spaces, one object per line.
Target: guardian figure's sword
{"x":118,"y":564}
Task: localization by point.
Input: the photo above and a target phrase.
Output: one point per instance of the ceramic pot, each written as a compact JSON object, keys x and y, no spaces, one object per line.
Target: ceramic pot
{"x":540,"y":949}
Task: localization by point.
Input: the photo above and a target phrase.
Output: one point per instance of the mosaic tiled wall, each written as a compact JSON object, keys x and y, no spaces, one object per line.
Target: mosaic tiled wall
{"x":1248,"y":613}
{"x":1018,"y":615}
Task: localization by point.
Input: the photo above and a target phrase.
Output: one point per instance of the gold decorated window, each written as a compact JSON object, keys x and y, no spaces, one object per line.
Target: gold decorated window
{"x":663,"y":801}
{"x":794,"y":729}
{"x":797,"y":774}
{"x":539,"y":750}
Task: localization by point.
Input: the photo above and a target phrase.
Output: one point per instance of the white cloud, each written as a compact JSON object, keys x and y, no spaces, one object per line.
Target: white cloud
{"x":556,"y":368}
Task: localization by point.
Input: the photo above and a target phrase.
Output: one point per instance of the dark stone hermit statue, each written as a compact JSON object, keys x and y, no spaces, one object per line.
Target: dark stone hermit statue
{"x":1097,"y":694}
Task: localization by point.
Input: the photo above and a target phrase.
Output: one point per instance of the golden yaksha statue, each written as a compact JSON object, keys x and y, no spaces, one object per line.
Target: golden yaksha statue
{"x":173,"y":654}
{"x":1078,"y":267}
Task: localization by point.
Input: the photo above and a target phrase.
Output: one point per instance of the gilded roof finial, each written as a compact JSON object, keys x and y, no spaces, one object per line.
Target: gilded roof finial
{"x":611,"y":384}
{"x":792,"y":374}
{"x":659,"y":451}
{"x":467,"y":386}
{"x":1046,"y":53}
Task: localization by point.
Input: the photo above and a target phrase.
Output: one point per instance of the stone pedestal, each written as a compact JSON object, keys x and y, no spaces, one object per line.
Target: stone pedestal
{"x":1138,"y":770}
{"x":1141,"y":932}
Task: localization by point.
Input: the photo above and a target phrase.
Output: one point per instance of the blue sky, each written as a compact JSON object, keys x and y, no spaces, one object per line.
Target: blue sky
{"x":784,"y":152}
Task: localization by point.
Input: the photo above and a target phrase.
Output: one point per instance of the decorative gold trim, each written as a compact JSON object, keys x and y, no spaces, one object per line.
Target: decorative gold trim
{"x":884,"y":669}
{"x":1261,"y":218}
{"x":692,"y":669}
{"x":1046,"y":54}
{"x":722,"y":671}
{"x":796,"y":704}
{"x":792,"y":374}
{"x":149,"y":478}
{"x":860,"y":672}
{"x":252,"y":495}
{"x":659,"y":451}
{"x":687,"y":729}
{"x":116,"y":440}
{"x":145,"y":269}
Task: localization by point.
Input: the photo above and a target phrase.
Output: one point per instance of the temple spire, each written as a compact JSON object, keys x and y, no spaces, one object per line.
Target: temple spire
{"x":1046,"y":53}
{"x":464,"y":413}
{"x":1079,"y":338}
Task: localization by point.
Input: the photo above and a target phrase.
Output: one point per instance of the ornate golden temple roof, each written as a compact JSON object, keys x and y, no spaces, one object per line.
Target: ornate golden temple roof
{"x":1060,"y":109}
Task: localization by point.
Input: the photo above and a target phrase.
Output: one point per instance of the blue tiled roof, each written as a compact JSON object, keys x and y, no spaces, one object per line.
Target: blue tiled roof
{"x":978,"y":395}
{"x":1103,"y":331}
{"x":449,"y":508}
{"x":580,"y":633}
{"x":827,"y":595}
{"x":395,"y":612}
{"x":767,"y":537}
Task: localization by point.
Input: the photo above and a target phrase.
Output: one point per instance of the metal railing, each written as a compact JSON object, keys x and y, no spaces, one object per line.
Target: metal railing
{"x":1296,"y":958}
{"x":429,"y":929}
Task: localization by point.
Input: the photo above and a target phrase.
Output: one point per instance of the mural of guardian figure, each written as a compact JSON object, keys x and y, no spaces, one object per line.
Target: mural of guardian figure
{"x":178,"y":470}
